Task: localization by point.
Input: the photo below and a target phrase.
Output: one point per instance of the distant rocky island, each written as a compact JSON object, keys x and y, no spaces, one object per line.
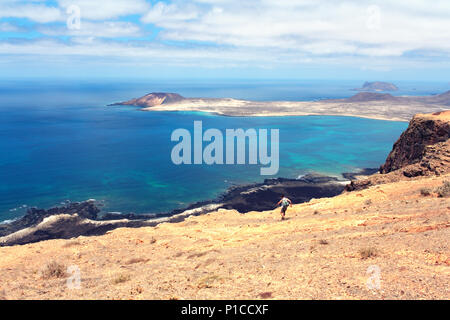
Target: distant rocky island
{"x":377,"y":86}
{"x":375,"y":105}
{"x":153,"y":99}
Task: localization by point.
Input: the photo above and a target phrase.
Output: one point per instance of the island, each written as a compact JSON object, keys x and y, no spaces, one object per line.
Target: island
{"x":382,"y":106}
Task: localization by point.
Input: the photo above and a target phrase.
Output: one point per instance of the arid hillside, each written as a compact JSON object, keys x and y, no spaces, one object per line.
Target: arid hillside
{"x":330,"y":248}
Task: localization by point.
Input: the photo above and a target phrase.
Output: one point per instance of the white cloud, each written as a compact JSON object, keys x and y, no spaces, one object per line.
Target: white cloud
{"x":162,"y":11}
{"x":41,"y":12}
{"x":106,"y":9}
{"x":261,"y":33}
{"x":107,"y":29}
{"x":315,"y":27}
{"x":35,"y":12}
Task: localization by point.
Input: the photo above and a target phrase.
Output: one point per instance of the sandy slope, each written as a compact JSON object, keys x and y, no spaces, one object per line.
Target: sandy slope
{"x":314,"y":254}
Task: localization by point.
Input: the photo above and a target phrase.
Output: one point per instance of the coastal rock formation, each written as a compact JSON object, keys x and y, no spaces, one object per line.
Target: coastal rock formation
{"x":264,"y":196}
{"x":70,"y":225}
{"x":422,"y":150}
{"x":411,"y":147}
{"x":34,"y":216}
{"x":82,"y":218}
{"x":153,"y":99}
{"x":377,"y":86}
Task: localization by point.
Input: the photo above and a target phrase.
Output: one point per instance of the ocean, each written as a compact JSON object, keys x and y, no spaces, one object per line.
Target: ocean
{"x":60,"y":141}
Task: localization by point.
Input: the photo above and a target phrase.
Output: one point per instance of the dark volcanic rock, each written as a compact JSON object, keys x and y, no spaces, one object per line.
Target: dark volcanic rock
{"x":76,"y":219}
{"x":66,"y":226}
{"x":410,"y":147}
{"x":422,"y":150}
{"x":264,"y":196}
{"x":34,"y":216}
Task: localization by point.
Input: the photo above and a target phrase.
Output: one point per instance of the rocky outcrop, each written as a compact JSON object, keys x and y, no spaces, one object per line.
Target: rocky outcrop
{"x":422,"y":150}
{"x":153,"y":99}
{"x":414,"y":144}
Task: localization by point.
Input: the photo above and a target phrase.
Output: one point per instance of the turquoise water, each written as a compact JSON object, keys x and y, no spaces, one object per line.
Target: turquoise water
{"x":72,"y":147}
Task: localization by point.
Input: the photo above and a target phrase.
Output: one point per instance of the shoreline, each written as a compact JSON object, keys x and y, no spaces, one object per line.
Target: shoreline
{"x":85,"y":218}
{"x":220,"y":114}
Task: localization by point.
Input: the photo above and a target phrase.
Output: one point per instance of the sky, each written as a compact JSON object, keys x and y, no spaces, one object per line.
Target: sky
{"x":271,"y":39}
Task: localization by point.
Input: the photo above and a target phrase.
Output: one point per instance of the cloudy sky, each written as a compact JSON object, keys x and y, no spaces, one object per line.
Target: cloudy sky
{"x":384,"y":39}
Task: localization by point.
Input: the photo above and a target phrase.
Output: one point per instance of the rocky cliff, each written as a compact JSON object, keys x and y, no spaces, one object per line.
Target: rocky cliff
{"x":422,"y":150}
{"x":414,"y":144}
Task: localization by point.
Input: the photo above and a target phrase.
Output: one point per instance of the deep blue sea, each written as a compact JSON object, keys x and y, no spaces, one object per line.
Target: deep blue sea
{"x":59,"y":141}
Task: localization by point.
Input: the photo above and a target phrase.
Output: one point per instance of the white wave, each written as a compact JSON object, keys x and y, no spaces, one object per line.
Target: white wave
{"x":8,"y":221}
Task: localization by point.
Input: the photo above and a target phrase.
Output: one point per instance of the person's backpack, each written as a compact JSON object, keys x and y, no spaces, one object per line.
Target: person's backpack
{"x":284,"y":202}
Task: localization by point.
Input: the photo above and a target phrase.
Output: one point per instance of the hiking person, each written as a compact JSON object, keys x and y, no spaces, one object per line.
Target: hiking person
{"x":285,"y":203}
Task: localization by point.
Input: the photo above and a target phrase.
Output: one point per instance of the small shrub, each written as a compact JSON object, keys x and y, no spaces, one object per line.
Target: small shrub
{"x":444,"y":190}
{"x":425,"y":191}
{"x":368,"y":202}
{"x":121,"y":279}
{"x":316,"y":212}
{"x":54,"y":270}
{"x":368,"y":252}
{"x":323,"y":241}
